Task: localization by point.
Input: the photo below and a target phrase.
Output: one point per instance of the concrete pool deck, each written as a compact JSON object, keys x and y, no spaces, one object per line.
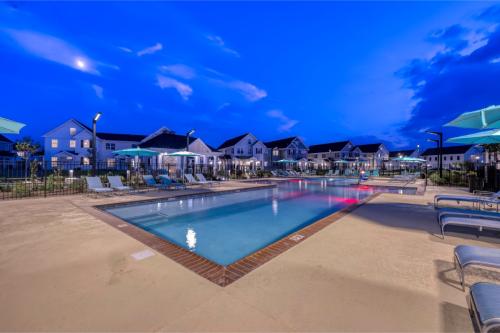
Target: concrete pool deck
{"x":379,"y":268}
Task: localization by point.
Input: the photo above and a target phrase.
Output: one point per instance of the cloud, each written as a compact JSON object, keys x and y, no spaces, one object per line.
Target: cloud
{"x":98,"y":91}
{"x":150,"y":50}
{"x":286,"y":123}
{"x":184,"y":90}
{"x":453,"y":81}
{"x":219,"y":42}
{"x":125,"y":49}
{"x":52,"y":49}
{"x":248,"y":90}
{"x":179,"y":70}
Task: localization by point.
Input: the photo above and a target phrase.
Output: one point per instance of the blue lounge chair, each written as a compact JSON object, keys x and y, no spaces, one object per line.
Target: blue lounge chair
{"x":484,"y":303}
{"x":451,"y":211}
{"x":375,"y":173}
{"x":466,"y":255}
{"x":115,"y":182}
{"x":475,"y":222}
{"x":170,"y":183}
{"x":490,"y":200}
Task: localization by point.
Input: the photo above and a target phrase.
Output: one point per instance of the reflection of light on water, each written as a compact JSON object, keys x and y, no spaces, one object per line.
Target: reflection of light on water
{"x":190,"y":203}
{"x":275,"y":207}
{"x":191,"y":239}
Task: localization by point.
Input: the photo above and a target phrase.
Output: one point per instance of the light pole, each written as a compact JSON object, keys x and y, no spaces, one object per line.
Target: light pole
{"x":440,"y":149}
{"x":94,"y":143}
{"x":188,"y":134}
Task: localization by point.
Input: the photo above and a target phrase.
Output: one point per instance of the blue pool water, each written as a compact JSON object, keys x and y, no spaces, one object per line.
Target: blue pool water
{"x":227,"y":227}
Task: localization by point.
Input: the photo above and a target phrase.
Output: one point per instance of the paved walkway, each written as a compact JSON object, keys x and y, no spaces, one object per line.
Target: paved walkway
{"x":379,"y":268}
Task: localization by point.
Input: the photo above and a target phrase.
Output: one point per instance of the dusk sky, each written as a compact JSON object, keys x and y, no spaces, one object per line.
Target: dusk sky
{"x":326,"y":71}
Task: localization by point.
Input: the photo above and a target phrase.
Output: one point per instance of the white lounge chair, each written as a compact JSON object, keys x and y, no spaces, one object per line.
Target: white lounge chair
{"x":480,"y":223}
{"x":94,"y":185}
{"x":115,"y":182}
{"x":491,"y":199}
{"x":192,"y":181}
{"x":202,"y":179}
{"x":462,"y":212}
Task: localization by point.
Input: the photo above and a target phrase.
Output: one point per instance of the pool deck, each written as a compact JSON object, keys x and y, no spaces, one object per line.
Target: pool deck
{"x":379,"y":268}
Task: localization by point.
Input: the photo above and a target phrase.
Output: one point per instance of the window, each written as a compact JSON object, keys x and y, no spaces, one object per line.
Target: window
{"x":249,"y":151}
{"x":451,"y":158}
{"x":53,"y":161}
{"x":276,"y":152}
{"x":111,"y":162}
{"x":258,"y":150}
{"x":435,"y":158}
{"x":444,"y":158}
{"x":72,"y":143}
{"x":323,"y":155}
{"x":54,"y":143}
{"x":85,"y":143}
{"x":72,"y":131}
{"x":69,"y":158}
{"x":110,"y":146}
{"x":315,"y":155}
{"x":430,"y":159}
{"x":85,"y":161}
{"x":232,"y":150}
{"x":249,"y":141}
{"x":458,"y":158}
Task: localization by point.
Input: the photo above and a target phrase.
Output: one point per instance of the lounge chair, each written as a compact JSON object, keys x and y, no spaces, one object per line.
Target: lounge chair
{"x":170,"y":183}
{"x":151,"y":182}
{"x":336,"y":173}
{"x":192,"y":181}
{"x":484,"y":303}
{"x":490,"y":200}
{"x":480,"y":223}
{"x":461,"y":212}
{"x":115,"y":182}
{"x":466,"y":255}
{"x":202,"y":179}
{"x":274,"y":173}
{"x":94,"y":185}
{"x":375,"y":173}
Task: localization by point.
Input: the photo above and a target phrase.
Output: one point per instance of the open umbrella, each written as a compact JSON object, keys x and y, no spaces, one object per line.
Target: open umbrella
{"x":485,"y":137}
{"x":341,"y":162}
{"x":484,"y":118}
{"x":8,"y":126}
{"x":182,"y":154}
{"x":136,"y":152}
{"x":408,"y":159}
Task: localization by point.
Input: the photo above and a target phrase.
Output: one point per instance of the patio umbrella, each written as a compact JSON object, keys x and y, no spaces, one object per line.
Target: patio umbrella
{"x":8,"y":126}
{"x":485,"y":118}
{"x":485,"y":137}
{"x":287,"y":161}
{"x":136,"y":152}
{"x":409,"y":159}
{"x":182,"y":154}
{"x":341,"y":162}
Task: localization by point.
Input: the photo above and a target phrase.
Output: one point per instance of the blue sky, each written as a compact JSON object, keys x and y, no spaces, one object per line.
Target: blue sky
{"x":327,"y":71}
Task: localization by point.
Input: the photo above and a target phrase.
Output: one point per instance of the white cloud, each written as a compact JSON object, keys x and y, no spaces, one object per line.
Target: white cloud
{"x":218,"y":41}
{"x":179,"y":70}
{"x":98,"y":91}
{"x":286,"y":123}
{"x":150,"y":50}
{"x":125,"y":49}
{"x":52,"y":49}
{"x":248,"y":90}
{"x":183,"y":89}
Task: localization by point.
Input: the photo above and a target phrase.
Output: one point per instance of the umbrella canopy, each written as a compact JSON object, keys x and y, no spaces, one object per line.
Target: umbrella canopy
{"x":341,"y":162}
{"x":140,"y":152}
{"x":183,"y":153}
{"x":485,"y":137}
{"x":8,"y":126}
{"x":408,"y":159}
{"x":485,"y":118}
{"x":287,"y":161}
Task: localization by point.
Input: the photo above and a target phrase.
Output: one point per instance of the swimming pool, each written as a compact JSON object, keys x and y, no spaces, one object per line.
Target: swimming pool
{"x":227,"y":227}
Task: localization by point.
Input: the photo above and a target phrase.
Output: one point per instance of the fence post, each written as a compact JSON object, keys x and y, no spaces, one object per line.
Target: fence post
{"x":44,"y":180}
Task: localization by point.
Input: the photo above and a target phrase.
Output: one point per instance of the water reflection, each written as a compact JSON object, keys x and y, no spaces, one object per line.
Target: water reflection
{"x":275,"y":207}
{"x":191,"y":239}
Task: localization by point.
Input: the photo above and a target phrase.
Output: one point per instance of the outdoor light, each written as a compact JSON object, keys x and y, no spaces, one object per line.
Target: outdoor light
{"x":97,"y":116}
{"x":94,"y":139}
{"x":71,"y":173}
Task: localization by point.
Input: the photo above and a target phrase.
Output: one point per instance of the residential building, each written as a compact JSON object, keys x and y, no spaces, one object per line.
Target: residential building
{"x":454,"y":156}
{"x":7,"y":153}
{"x":370,"y":156}
{"x":394,"y":164}
{"x":323,"y":155}
{"x":71,"y":143}
{"x":245,"y":150}
{"x":292,"y":149}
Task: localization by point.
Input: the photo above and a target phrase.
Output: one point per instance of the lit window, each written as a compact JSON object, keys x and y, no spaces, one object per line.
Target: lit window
{"x":276,"y":152}
{"x":69,"y":158}
{"x":54,"y":143}
{"x":53,"y":161}
{"x":72,"y":131}
{"x":85,"y":161}
{"x":111,"y":162}
{"x":72,"y":143}
{"x":85,"y":143}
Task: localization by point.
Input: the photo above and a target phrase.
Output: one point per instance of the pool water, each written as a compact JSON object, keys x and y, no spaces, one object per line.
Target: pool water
{"x":227,"y":227}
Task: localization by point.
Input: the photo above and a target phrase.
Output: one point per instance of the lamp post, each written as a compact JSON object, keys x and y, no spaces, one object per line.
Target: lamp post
{"x":188,"y":134}
{"x":94,"y":144}
{"x":440,"y":149}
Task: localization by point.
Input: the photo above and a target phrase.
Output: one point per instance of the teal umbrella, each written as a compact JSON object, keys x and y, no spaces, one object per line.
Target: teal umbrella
{"x":408,"y":159}
{"x":136,"y":152}
{"x":8,"y":126}
{"x":479,"y":138}
{"x":287,"y":161}
{"x":485,"y":118}
{"x":341,"y":162}
{"x":183,"y":153}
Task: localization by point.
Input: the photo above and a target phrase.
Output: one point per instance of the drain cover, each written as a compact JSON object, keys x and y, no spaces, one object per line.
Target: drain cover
{"x":297,"y":238}
{"x":141,"y":255}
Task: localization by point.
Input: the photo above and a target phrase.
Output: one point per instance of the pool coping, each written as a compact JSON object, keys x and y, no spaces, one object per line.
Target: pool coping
{"x":218,"y":274}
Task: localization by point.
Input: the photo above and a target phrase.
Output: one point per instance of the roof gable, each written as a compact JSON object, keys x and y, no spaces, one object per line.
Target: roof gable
{"x":281,"y":143}
{"x":369,"y":148}
{"x":401,"y":153}
{"x":167,"y":140}
{"x":233,"y":141}
{"x":72,"y":120}
{"x":327,"y":147}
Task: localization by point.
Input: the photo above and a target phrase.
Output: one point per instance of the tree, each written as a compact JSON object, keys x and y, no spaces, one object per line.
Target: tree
{"x":26,"y":148}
